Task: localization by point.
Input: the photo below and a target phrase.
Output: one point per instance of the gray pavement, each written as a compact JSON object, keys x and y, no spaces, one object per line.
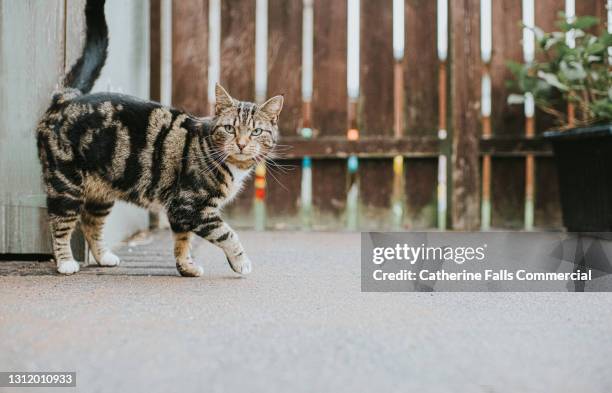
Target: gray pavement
{"x":298,"y":323}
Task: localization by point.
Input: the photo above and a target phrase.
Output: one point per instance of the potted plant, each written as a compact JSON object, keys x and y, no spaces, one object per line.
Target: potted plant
{"x":578,"y":74}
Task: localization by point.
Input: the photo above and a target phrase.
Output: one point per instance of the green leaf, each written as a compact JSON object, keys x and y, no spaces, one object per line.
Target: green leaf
{"x":572,"y":71}
{"x":516,"y":99}
{"x":552,"y":80}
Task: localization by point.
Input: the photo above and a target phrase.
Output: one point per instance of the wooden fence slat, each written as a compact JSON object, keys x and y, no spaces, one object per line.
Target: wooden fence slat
{"x":238,"y":48}
{"x":328,"y":192}
{"x":421,"y":181}
{"x":284,"y":77}
{"x":421,"y":96}
{"x":421,"y":68}
{"x":507,"y":192}
{"x":596,"y":8}
{"x":283,"y":192}
{"x":190,"y":56}
{"x":375,"y":114}
{"x":285,"y":60}
{"x":376,"y":69}
{"x":238,"y":76}
{"x":375,"y":191}
{"x":154,"y":49}
{"x":465,"y":95}
{"x":507,"y":35}
{"x":547,"y":200}
{"x":329,"y":108}
{"x":546,"y":16}
{"x":329,"y":104}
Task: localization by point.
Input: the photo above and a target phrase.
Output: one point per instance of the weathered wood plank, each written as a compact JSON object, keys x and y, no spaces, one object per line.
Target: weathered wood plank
{"x":596,"y":8}
{"x":339,"y":147}
{"x":285,"y":60}
{"x":328,"y":192}
{"x":421,"y":68}
{"x":508,"y":193}
{"x":507,"y":35}
{"x":238,"y":48}
{"x":375,"y":190}
{"x":546,"y":16}
{"x":420,"y":182}
{"x":465,"y":96}
{"x":238,"y":76}
{"x":190,"y":56}
{"x":154,"y":49}
{"x":376,"y":69}
{"x":75,"y":31}
{"x":26,"y":27}
{"x":283,"y":181}
{"x":284,"y":77}
{"x":547,"y":197}
{"x":515,"y":146}
{"x":329,"y":74}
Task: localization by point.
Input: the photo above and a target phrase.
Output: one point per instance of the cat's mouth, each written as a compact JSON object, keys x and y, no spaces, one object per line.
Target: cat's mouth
{"x":242,"y":157}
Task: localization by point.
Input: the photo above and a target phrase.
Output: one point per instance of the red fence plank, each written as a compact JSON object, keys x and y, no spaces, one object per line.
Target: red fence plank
{"x":190,"y":58}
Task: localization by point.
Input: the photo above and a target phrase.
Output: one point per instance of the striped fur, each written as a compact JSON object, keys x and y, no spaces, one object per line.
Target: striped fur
{"x":97,"y":148}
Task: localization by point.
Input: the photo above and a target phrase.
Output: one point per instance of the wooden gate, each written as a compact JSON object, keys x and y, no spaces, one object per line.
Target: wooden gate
{"x":395,"y":110}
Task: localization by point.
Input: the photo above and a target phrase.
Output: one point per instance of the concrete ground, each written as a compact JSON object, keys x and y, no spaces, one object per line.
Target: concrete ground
{"x":299,"y":323}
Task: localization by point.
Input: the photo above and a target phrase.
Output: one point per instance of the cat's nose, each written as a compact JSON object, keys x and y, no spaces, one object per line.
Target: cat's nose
{"x":240,"y":145}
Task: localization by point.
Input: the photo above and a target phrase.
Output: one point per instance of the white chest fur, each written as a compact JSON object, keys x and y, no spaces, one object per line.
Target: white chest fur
{"x":240,"y":175}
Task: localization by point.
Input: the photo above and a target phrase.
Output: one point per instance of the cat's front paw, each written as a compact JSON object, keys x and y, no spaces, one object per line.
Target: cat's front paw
{"x":189,"y":269}
{"x":109,"y":259}
{"x":68,"y":267}
{"x":241,"y":264}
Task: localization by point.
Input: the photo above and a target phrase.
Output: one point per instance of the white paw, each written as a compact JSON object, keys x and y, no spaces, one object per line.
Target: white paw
{"x":68,"y":267}
{"x":189,"y":269}
{"x":109,"y":259}
{"x":241,"y":264}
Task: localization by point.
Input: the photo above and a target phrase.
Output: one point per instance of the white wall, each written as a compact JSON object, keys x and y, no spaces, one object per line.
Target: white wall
{"x":126,"y":71}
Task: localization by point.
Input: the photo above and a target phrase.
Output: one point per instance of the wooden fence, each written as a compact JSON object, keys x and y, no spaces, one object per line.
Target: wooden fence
{"x":395,"y":110}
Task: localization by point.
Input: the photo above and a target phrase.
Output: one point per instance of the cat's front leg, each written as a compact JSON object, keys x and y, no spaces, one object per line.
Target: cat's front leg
{"x":182,"y":253}
{"x":216,"y":231}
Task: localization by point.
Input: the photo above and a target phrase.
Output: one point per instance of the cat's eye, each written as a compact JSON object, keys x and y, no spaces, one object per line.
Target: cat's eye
{"x":256,"y":132}
{"x":229,"y":129}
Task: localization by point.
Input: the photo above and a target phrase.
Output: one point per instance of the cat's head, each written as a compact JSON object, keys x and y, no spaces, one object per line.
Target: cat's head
{"x":245,"y":132}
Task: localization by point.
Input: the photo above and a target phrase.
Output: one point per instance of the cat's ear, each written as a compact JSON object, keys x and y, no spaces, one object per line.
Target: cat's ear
{"x":222,"y":99}
{"x":272,"y":108}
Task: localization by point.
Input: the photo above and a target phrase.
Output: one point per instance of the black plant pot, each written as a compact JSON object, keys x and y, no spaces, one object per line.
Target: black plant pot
{"x":584,"y":163}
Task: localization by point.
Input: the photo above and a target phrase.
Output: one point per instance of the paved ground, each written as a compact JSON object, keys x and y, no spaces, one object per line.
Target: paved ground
{"x":299,"y":323}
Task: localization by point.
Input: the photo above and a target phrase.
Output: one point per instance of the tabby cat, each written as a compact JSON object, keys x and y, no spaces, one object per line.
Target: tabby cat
{"x":97,"y":148}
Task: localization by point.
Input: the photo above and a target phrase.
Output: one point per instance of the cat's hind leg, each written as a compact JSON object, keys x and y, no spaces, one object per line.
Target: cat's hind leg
{"x":64,"y":208}
{"x":182,"y":252}
{"x":92,"y":223}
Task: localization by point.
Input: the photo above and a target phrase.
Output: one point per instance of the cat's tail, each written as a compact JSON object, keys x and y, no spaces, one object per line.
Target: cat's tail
{"x":86,"y":70}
